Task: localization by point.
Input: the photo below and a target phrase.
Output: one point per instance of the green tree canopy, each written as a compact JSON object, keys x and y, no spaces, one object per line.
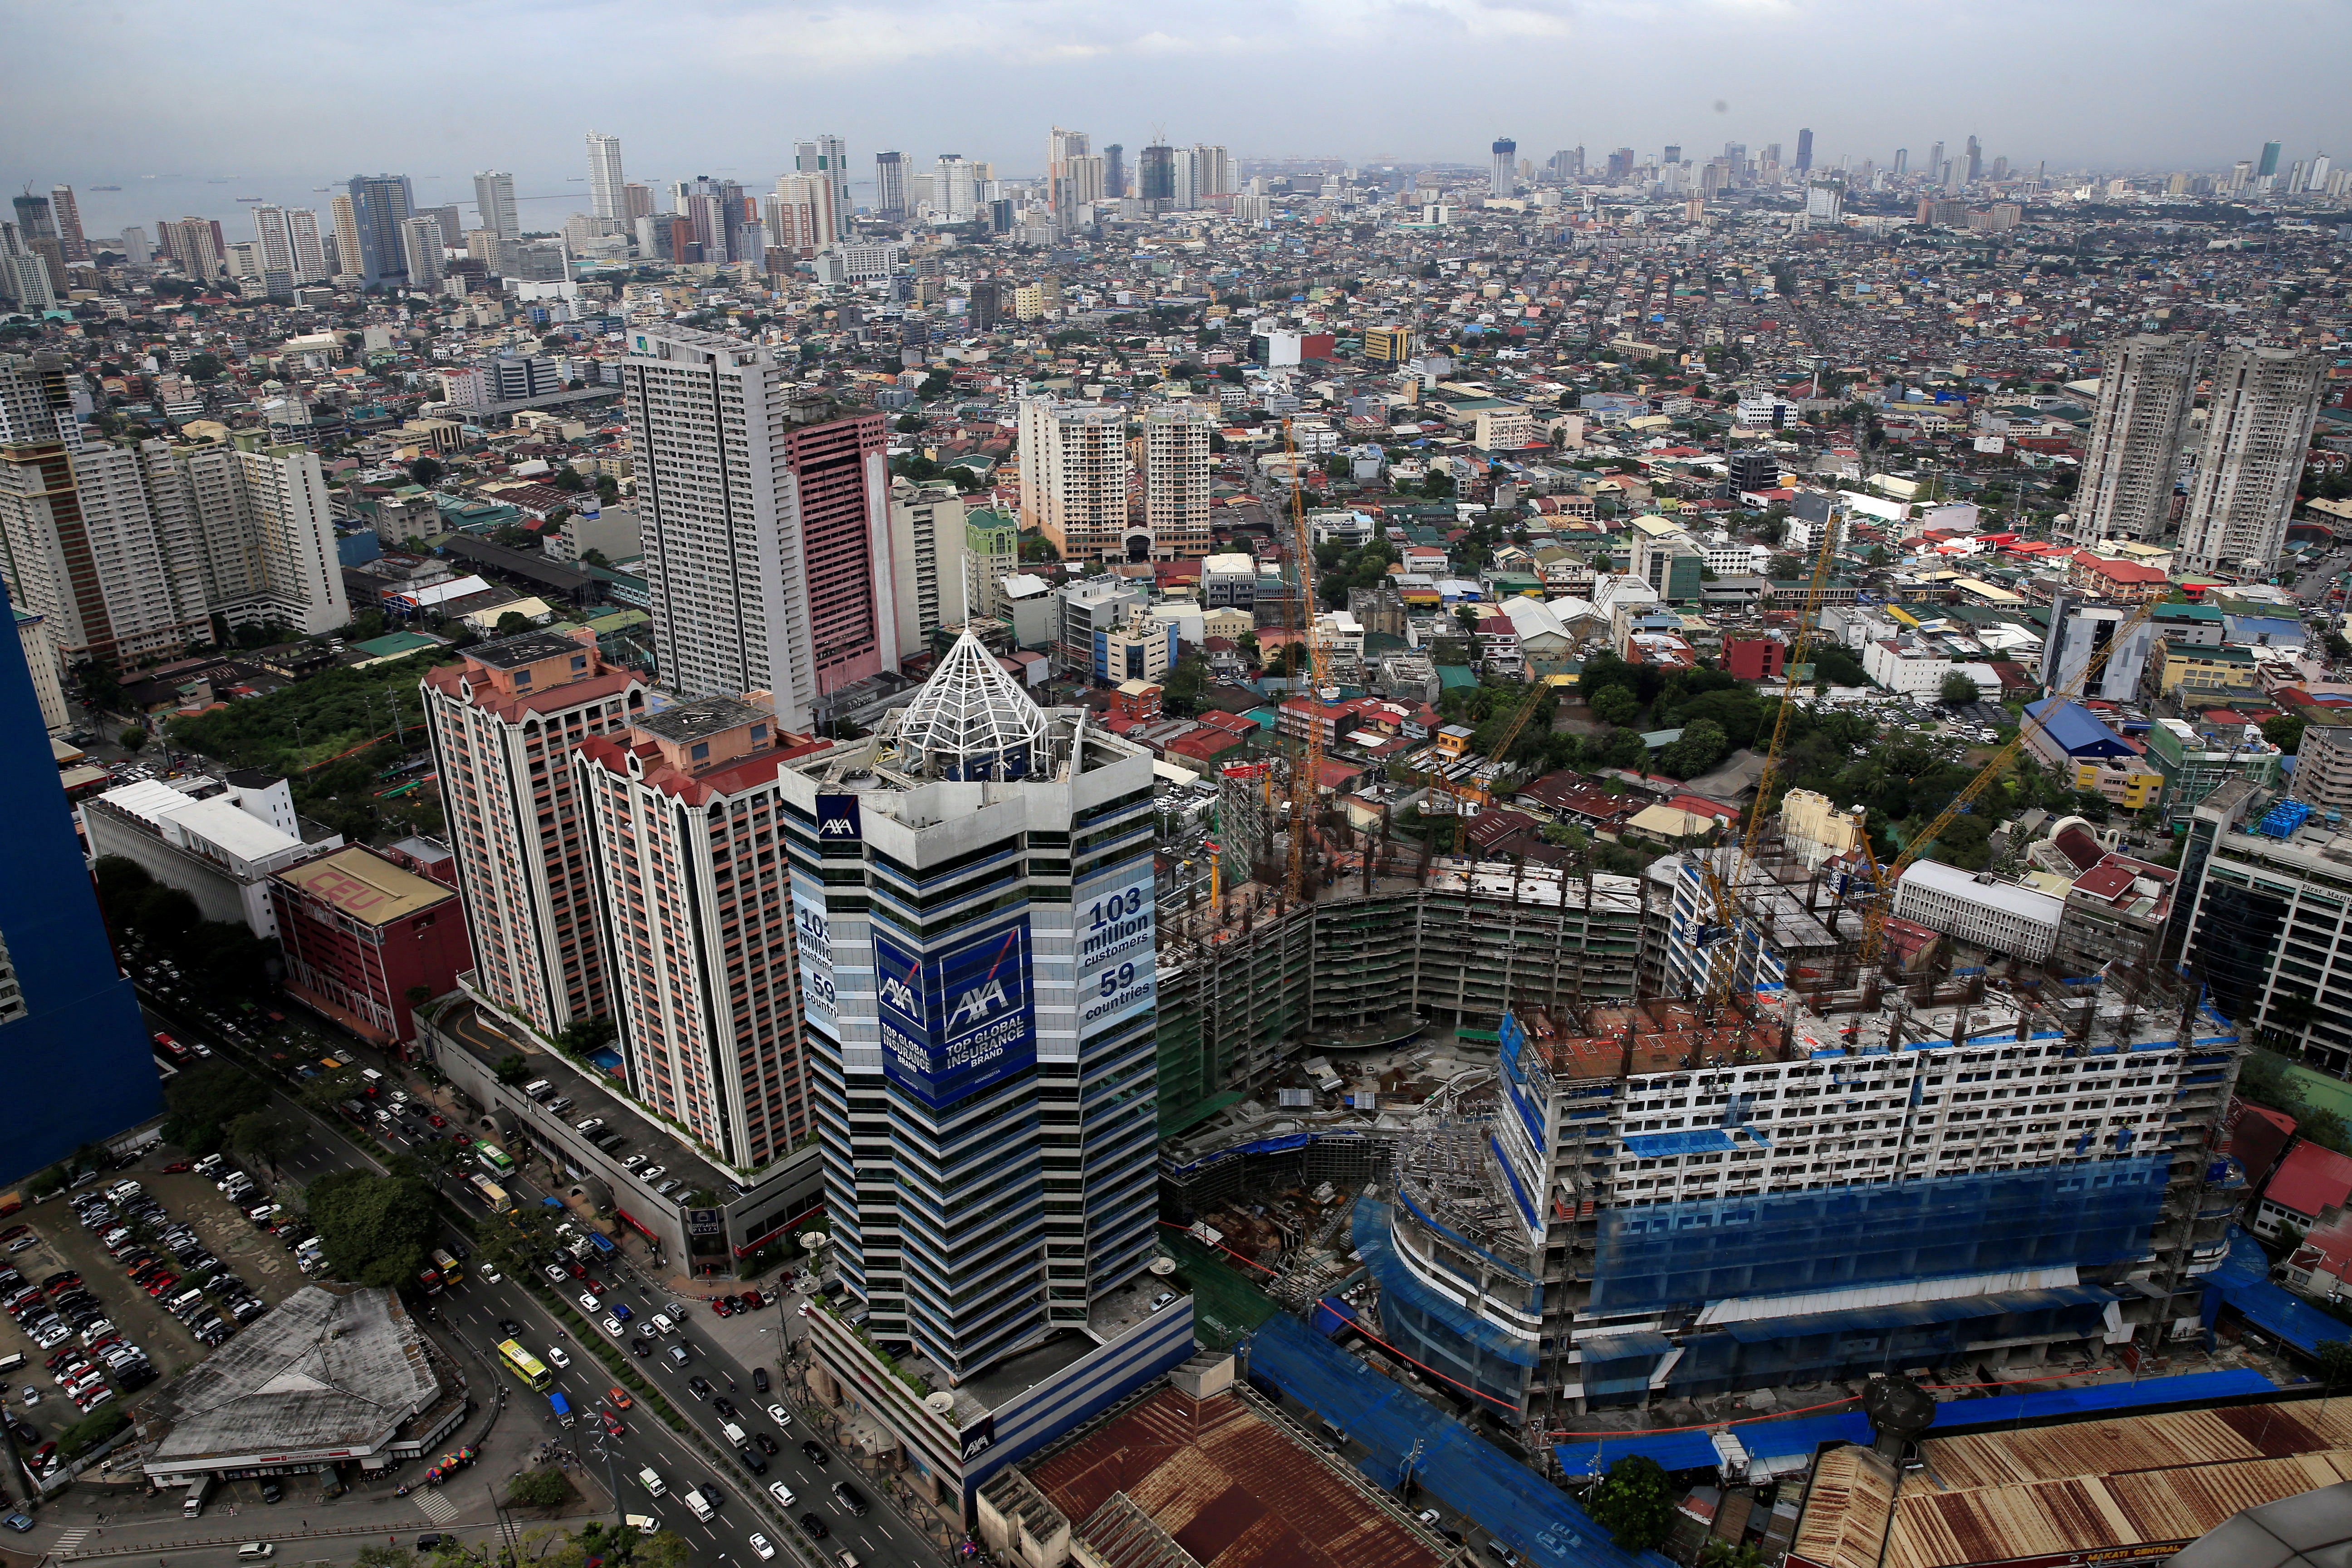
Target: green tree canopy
{"x":1959,"y":690}
{"x":539,"y":1489}
{"x":2285,"y":732}
{"x":377,"y":1229}
{"x":206,"y":1101}
{"x":1633,"y":1503}
{"x":1614,"y":705}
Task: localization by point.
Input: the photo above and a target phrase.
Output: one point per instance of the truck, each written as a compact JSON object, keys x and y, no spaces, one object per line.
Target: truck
{"x":700,"y":1504}
{"x":651,"y":1480}
{"x":561,"y":1407}
{"x":193,"y":1505}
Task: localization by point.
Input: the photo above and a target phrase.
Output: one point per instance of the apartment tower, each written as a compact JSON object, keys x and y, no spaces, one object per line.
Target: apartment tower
{"x":493,"y":202}
{"x":890,"y":184}
{"x":685,"y":826}
{"x":2134,"y":455}
{"x":381,"y":204}
{"x":606,"y":198}
{"x":827,"y":159}
{"x":2259,"y":416}
{"x":974,"y":897}
{"x":765,"y":517}
{"x":1502,"y":170}
{"x":504,"y":724}
{"x":1176,"y":480}
{"x":1074,"y":473}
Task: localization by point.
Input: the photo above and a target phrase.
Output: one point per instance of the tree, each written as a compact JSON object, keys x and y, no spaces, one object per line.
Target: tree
{"x":205,"y":1101}
{"x":1959,"y":690}
{"x":1633,"y":1503}
{"x":203,"y":367}
{"x":134,"y":739}
{"x":1785,"y":567}
{"x":2335,"y":1359}
{"x":263,"y":1136}
{"x":583,"y":1038}
{"x":374,"y":1556}
{"x":377,"y":1229}
{"x":425,"y":471}
{"x":1703,"y":745}
{"x":2285,"y":732}
{"x":1181,"y":693}
{"x":1615,"y":705}
{"x":513,"y":624}
{"x":511,"y":1069}
{"x":539,"y":1489}
{"x":567,"y":477}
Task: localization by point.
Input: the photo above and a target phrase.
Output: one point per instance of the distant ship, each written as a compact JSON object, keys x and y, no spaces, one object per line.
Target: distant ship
{"x":322,"y":187}
{"x":106,"y":187}
{"x":253,"y":198}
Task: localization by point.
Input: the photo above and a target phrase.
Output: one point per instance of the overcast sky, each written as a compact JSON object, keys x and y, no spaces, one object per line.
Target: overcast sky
{"x":277,"y":98}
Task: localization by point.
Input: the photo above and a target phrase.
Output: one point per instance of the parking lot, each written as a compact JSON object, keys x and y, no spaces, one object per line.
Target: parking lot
{"x":227,"y":1251}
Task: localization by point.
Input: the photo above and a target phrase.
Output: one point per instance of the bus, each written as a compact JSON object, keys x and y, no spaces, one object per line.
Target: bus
{"x":494,"y":1159}
{"x":524,"y":1364}
{"x":429,"y":1281}
{"x":451,"y":1274}
{"x":491,"y":1194}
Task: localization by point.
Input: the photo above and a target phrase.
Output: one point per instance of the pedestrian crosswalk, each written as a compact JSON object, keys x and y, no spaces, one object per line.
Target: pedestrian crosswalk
{"x":435,"y":1506}
{"x":68,"y":1541}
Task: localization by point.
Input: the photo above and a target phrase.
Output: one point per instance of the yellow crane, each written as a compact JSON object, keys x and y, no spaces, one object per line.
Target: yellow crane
{"x":1305,"y":783}
{"x":1720,"y":890}
{"x":1540,"y":679}
{"x":1873,"y":919}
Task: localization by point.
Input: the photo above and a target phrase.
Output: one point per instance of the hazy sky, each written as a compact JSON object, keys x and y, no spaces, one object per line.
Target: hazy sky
{"x":277,"y":98}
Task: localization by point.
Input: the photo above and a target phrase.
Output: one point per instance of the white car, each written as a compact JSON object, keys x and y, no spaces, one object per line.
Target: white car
{"x":760,"y":1545}
{"x":782,"y":1417}
{"x":589,"y":1303}
{"x":493,"y":1276}
{"x":781,"y":1493}
{"x":558,"y":1275}
{"x":556,"y":1357}
{"x":613,"y":1327}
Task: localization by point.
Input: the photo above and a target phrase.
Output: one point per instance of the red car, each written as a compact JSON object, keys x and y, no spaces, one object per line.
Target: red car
{"x":162,"y":1283}
{"x":612,"y":1428}
{"x":176,"y":1166}
{"x":750,"y":1300}
{"x":719,"y":1306}
{"x":435,"y":1120}
{"x":576,"y":1271}
{"x":588,"y":1283}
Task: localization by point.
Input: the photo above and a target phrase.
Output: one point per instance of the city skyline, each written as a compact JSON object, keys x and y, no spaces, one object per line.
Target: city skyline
{"x":1120,"y":80}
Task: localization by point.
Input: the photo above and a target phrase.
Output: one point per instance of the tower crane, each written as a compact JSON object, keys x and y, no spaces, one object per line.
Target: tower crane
{"x":1308,"y":779}
{"x":1873,"y":919}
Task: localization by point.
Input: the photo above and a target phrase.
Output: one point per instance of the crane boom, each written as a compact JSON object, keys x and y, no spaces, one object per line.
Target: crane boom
{"x":1310,"y":771}
{"x":1873,"y":919}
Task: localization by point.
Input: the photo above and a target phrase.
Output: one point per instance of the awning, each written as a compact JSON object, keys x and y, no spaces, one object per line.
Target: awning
{"x":1623,"y":1347}
{"x":1916,"y":1314}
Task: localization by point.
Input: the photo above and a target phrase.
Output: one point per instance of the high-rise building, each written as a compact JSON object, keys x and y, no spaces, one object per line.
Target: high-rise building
{"x":380,"y":204}
{"x":1114,"y":159}
{"x":1011,"y":1024}
{"x":2269,"y":164}
{"x":1074,"y":473}
{"x":1176,"y":481}
{"x":37,"y":233}
{"x":606,"y":180}
{"x":955,"y":187}
{"x":309,"y":259}
{"x":2077,"y":632}
{"x":1567,"y":163}
{"x":1805,"y":151}
{"x":342,"y":213}
{"x":1213,"y":172}
{"x":2132,"y":457}
{"x":2262,"y":406}
{"x":1976,"y":161}
{"x":25,"y":277}
{"x":929,"y":580}
{"x":1155,"y":173}
{"x":193,"y":243}
{"x":421,"y":244}
{"x":799,"y":214}
{"x":638,"y":200}
{"x":37,"y":401}
{"x":776,"y":583}
{"x":827,"y":159}
{"x":1902,"y":163}
{"x":81,"y":1067}
{"x":985,"y":305}
{"x":273,"y":240}
{"x":890,"y":184}
{"x":493,"y":202}
{"x":1503,"y":169}
{"x":684,"y":824}
{"x":503,"y":725}
{"x":65,"y":211}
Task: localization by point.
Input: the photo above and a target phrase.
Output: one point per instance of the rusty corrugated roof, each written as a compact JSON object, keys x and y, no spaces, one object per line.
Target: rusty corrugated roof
{"x":1230,"y":1487}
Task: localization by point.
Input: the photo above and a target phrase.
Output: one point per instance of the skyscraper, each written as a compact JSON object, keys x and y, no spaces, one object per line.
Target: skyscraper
{"x":1805,"y":151}
{"x":343,"y":212}
{"x":952,"y":188}
{"x":274,"y":240}
{"x":890,"y":184}
{"x":1902,"y":162}
{"x":80,"y":1067}
{"x":503,"y":724}
{"x":684,"y":818}
{"x":777,"y":584}
{"x":2269,"y":164}
{"x":1176,"y":480}
{"x":493,"y":202}
{"x":2145,"y":389}
{"x":1005,"y":1011}
{"x":380,"y":204}
{"x":1502,"y":170}
{"x":1213,"y":172}
{"x":2257,"y":424}
{"x":1074,"y":472}
{"x":1114,"y":159}
{"x":605,"y":199}
{"x":1976,"y":161}
{"x":24,"y":273}
{"x":1155,"y":173}
{"x":1074,"y":175}
{"x":65,"y":211}
{"x":827,"y":158}
{"x":421,"y":242}
{"x":191,"y":241}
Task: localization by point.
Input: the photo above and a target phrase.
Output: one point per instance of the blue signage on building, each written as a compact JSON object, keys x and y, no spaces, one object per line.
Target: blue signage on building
{"x":956,"y":1021}
{"x":837,"y":820}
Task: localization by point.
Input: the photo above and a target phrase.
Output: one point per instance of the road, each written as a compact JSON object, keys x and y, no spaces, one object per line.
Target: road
{"x":469,"y":1314}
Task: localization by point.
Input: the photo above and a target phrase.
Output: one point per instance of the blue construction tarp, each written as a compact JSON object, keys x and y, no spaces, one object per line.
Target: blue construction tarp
{"x":1663,"y":1145}
{"x":1773,"y":1438}
{"x":1903,"y":1314}
{"x":1331,"y":1315}
{"x":2243,"y":1282}
{"x":1454,"y":1465}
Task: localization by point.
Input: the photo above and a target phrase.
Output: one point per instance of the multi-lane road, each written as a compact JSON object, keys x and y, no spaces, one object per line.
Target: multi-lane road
{"x":470,"y":1315}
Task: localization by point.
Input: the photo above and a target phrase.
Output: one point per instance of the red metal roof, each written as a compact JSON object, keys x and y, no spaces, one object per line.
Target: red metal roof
{"x":2311,"y":1179}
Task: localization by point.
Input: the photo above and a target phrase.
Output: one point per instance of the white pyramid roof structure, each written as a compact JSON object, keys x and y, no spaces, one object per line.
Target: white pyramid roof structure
{"x":973,"y":720}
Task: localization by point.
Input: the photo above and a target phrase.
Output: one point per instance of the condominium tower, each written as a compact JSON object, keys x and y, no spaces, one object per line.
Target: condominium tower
{"x":765,"y":522}
{"x":827,"y":159}
{"x":1074,"y":473}
{"x":2134,"y":455}
{"x":974,"y":889}
{"x":890,"y":184}
{"x":493,"y":202}
{"x":1503,"y":174}
{"x":380,"y":204}
{"x":2258,"y":423}
{"x":1176,"y":480}
{"x":503,"y":725}
{"x":605,"y":197}
{"x":684,"y":824}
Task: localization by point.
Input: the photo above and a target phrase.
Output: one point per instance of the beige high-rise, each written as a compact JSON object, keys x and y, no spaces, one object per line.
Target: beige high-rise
{"x":1073,"y":478}
{"x":1176,"y":480}
{"x":2145,"y":391}
{"x":2258,"y":422}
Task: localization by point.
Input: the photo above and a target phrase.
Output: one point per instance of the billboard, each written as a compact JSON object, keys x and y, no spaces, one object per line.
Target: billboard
{"x":957,"y":1020}
{"x":812,"y":941}
{"x":837,"y":821}
{"x":1117,"y":974}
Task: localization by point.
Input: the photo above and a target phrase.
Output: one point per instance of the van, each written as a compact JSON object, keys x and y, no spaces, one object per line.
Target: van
{"x":536,"y":1088}
{"x":698,"y":1505}
{"x":652,"y":1482}
{"x":372,"y":1077}
{"x":9,"y":1364}
{"x":734,"y":1433}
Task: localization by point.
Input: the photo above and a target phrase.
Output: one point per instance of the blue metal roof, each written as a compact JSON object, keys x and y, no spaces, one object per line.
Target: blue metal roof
{"x":2075,"y":730}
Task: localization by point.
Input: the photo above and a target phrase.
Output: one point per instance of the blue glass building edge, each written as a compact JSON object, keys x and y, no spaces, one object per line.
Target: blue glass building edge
{"x":78,"y":1062}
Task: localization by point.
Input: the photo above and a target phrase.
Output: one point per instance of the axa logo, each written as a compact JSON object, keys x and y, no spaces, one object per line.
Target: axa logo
{"x":977,"y":1446}
{"x":836,"y":827}
{"x":899,"y":996}
{"x":980,"y":1004}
